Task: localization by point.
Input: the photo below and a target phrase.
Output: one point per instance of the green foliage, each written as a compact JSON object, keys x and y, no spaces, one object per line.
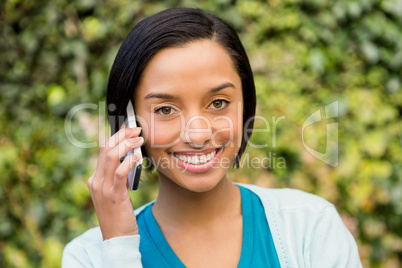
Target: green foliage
{"x":305,"y":54}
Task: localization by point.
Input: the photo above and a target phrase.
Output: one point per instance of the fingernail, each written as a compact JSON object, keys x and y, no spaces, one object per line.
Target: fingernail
{"x":135,"y":140}
{"x":134,"y":131}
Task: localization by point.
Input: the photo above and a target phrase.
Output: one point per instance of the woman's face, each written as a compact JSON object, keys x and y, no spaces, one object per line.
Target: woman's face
{"x":190,"y":106}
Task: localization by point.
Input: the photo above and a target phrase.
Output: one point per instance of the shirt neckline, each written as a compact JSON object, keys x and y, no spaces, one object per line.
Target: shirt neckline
{"x":170,"y":256}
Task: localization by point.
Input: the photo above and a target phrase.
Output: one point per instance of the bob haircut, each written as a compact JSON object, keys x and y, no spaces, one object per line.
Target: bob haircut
{"x":173,"y":28}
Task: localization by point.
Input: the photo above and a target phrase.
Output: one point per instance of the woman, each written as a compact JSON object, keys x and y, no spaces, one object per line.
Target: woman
{"x":191,"y":84}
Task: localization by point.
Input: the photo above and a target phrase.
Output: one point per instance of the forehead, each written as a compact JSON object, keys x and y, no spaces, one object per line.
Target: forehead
{"x":200,"y":64}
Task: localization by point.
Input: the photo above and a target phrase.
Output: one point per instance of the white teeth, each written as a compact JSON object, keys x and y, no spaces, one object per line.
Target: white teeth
{"x":196,"y":159}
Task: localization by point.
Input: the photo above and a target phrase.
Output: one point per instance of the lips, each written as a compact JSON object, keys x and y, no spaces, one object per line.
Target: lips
{"x":198,"y":162}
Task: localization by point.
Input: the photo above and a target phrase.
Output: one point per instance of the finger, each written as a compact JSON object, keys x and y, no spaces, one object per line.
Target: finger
{"x":116,"y":139}
{"x":120,"y":135}
{"x":90,"y":179}
{"x":113,"y":158}
{"x":120,"y":176}
{"x":93,"y":195}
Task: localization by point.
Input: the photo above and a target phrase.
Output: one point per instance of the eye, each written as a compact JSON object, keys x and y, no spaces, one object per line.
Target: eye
{"x":165,"y":110}
{"x":218,"y":104}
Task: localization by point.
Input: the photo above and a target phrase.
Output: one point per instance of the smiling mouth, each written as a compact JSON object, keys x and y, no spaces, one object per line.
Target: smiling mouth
{"x":197,"y":159}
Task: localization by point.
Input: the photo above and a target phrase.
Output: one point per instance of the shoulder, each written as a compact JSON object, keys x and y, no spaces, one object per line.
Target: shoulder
{"x":306,"y":229}
{"x":93,"y":236}
{"x":87,"y":247}
{"x":289,"y":199}
{"x":84,"y":250}
{"x":89,"y":250}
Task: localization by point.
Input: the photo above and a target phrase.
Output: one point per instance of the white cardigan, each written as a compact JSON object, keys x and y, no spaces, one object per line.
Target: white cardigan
{"x":306,"y":229}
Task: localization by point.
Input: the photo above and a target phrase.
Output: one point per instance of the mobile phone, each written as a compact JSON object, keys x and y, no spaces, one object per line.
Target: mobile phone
{"x":135,"y":172}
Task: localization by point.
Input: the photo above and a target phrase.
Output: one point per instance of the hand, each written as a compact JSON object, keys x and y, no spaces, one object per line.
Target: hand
{"x":108,"y":185}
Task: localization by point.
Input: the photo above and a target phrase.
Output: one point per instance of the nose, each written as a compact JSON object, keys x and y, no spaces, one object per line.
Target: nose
{"x":197,"y":131}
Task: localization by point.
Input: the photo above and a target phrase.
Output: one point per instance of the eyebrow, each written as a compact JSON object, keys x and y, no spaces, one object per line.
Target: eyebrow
{"x":169,"y":96}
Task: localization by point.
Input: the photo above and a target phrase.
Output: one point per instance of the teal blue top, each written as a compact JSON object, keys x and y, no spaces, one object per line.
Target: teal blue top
{"x":258,"y":248}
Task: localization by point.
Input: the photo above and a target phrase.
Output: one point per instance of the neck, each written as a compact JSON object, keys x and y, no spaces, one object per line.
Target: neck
{"x":177,"y":206}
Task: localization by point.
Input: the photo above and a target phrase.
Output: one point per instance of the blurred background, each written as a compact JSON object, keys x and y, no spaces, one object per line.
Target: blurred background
{"x":305,"y":54}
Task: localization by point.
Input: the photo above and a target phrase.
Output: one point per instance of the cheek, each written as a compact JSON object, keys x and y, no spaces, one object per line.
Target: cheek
{"x":164,"y":134}
{"x":161,"y":135}
{"x":228,"y":129}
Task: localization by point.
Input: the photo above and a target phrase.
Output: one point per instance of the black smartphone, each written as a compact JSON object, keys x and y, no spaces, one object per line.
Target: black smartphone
{"x":135,"y":172}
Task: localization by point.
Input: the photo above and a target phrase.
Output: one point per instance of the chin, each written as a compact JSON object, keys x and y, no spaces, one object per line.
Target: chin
{"x":194,"y":182}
